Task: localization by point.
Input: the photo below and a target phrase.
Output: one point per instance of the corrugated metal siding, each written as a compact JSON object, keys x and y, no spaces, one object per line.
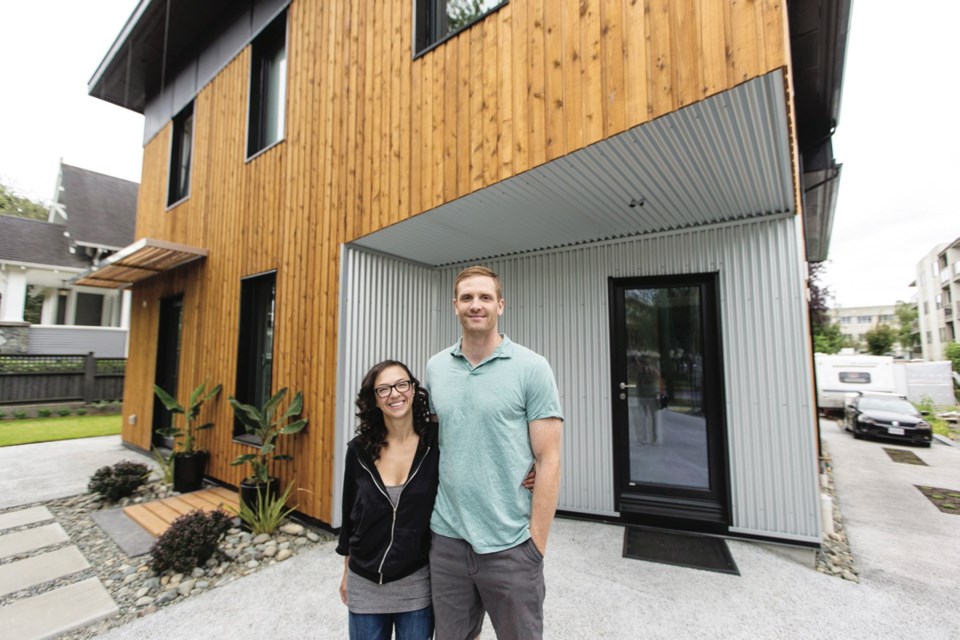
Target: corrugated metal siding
{"x":557,"y":305}
{"x":388,"y":309}
{"x":104,"y":342}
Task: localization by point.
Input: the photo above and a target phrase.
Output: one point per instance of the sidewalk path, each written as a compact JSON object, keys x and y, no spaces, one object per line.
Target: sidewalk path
{"x":49,"y":470}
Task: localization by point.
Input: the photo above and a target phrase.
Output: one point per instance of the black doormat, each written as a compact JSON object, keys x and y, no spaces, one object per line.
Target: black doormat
{"x":680,"y":549}
{"x":904,"y":456}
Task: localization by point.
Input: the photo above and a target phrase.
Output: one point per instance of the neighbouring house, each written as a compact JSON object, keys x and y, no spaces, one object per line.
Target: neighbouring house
{"x":647,"y":177}
{"x":938,"y":298}
{"x":91,"y":216}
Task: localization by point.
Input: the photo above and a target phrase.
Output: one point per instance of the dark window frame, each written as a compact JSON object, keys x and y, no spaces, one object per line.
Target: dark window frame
{"x":254,"y":376}
{"x":181,"y":156}
{"x":427,"y":23}
{"x":264,"y":47}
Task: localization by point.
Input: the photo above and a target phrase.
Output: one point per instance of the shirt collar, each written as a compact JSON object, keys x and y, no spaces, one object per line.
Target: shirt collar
{"x":503,"y":350}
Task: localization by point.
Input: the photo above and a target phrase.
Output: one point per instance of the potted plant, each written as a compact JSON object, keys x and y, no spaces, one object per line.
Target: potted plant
{"x":262,"y":424}
{"x":188,"y":462}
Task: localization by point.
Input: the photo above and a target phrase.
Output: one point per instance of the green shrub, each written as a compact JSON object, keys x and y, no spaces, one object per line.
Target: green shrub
{"x":3,"y":414}
{"x":268,"y":513}
{"x":190,"y":541}
{"x":20,"y":415}
{"x":63,"y":413}
{"x":44,"y":413}
{"x":81,"y":412}
{"x":118,"y":481}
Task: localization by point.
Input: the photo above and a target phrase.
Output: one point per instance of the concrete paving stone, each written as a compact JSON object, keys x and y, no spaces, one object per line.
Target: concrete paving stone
{"x":22,"y":517}
{"x":15,"y":543}
{"x":28,"y":572}
{"x":58,"y":611}
{"x":133,"y":539}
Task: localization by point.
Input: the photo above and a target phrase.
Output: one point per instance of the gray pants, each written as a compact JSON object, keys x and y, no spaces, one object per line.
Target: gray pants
{"x":508,"y":585}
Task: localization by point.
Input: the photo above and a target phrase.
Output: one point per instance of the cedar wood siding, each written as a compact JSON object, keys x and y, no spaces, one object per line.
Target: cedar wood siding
{"x":373,"y":137}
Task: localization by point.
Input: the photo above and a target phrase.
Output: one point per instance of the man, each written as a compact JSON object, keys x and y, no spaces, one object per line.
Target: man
{"x":499,"y":413}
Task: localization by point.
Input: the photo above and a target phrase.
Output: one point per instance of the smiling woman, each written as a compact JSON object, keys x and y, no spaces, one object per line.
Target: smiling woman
{"x":49,"y":429}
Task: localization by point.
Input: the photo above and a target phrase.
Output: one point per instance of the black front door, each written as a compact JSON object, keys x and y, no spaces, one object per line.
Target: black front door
{"x":669,"y":435}
{"x":168,"y":364}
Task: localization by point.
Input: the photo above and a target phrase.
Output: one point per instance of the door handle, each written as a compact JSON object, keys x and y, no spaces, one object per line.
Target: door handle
{"x":624,"y":385}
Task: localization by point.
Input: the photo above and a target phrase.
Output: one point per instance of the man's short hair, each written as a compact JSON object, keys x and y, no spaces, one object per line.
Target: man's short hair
{"x":477,"y":270}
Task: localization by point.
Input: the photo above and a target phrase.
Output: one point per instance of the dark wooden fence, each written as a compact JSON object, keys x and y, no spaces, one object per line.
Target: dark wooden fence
{"x":32,"y":379}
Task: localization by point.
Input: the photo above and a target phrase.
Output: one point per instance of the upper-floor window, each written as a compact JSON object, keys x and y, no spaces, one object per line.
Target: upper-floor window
{"x":181,"y":153}
{"x":864,"y":319}
{"x":437,"y":20}
{"x":268,"y":86}
{"x":939,"y":300}
{"x":846,"y":319}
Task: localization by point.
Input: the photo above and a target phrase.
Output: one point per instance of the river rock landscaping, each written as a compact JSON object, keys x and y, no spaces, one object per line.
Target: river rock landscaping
{"x":134,"y":586}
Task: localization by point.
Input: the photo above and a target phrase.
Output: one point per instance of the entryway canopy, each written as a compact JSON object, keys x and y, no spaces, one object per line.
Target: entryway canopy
{"x":144,"y":258}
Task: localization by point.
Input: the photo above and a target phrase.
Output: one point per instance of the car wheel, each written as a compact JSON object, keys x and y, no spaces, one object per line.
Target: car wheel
{"x":857,"y":436}
{"x":925,"y":444}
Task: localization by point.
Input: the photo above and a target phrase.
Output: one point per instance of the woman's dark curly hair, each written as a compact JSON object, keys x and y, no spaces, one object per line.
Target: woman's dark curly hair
{"x":372,"y":432}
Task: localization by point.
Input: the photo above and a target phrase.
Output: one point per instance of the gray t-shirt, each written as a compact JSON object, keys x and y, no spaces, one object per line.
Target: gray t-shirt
{"x":410,"y":593}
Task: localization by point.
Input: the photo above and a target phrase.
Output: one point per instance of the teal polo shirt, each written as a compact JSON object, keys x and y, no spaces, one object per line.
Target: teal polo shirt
{"x":484,"y":413}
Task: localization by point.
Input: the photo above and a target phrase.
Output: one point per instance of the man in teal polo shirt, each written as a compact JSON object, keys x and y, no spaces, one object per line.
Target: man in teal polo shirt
{"x":499,"y":413}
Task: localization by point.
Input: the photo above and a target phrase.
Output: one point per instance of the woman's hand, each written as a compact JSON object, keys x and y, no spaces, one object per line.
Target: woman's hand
{"x":531,"y":479}
{"x":343,"y":582}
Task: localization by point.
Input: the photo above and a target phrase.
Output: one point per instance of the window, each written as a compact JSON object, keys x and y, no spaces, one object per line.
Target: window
{"x":437,"y":20}
{"x":181,"y":151}
{"x":939,"y":300}
{"x":846,"y":320}
{"x":255,"y":350}
{"x":854,"y":377}
{"x":268,"y":86}
{"x":864,"y":319}
{"x":926,"y":308}
{"x":885,"y":317}
{"x":929,"y":338}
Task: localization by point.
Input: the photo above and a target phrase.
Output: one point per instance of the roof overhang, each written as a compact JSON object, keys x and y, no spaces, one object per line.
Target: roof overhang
{"x":143,"y":259}
{"x":724,"y":159}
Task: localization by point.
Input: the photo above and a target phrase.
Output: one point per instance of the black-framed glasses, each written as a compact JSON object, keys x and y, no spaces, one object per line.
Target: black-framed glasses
{"x":384,"y":390}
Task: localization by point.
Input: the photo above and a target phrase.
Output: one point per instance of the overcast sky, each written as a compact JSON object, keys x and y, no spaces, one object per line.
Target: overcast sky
{"x":897,"y":137}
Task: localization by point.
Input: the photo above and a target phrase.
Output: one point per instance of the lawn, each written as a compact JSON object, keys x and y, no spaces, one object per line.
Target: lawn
{"x":47,"y":429}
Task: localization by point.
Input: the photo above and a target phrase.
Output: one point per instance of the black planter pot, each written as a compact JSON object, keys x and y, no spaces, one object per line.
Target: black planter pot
{"x":249,"y":488}
{"x":188,"y":470}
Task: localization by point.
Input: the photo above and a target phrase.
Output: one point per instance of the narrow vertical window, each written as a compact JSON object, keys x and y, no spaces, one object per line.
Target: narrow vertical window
{"x":255,"y":350}
{"x":181,"y":151}
{"x":268,"y":86}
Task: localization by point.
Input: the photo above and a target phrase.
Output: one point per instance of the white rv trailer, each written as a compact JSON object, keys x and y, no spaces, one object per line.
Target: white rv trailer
{"x":840,"y":375}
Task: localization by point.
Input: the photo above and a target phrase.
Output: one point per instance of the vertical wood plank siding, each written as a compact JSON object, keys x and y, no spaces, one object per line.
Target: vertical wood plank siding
{"x":373,"y":137}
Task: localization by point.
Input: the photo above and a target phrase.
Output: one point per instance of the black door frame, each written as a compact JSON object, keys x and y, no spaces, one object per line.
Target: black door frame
{"x":666,"y":505}
{"x":167,"y":370}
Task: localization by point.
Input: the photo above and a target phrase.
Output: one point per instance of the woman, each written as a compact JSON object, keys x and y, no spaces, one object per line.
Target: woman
{"x":389,"y":487}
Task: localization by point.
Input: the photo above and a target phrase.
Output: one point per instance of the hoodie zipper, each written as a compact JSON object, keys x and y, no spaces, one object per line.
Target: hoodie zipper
{"x":393,"y":523}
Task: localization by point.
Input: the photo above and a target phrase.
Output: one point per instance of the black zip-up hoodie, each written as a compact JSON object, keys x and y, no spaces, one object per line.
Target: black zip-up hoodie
{"x":386,"y":544}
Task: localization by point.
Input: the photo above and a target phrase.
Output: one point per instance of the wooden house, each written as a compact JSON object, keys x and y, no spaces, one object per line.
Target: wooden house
{"x":648,"y":178}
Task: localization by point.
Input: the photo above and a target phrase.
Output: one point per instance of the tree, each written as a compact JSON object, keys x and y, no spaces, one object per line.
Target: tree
{"x":12,"y":204}
{"x":829,"y":339}
{"x":462,"y":12}
{"x":952,"y":352}
{"x":819,"y":298}
{"x":908,"y":329}
{"x":880,"y":339}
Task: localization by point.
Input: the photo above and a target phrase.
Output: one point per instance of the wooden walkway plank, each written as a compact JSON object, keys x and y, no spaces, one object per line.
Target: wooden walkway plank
{"x":157,"y":516}
{"x":153,"y":523}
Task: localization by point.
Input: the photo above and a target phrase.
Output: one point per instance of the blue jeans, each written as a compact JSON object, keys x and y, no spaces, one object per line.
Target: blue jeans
{"x":410,"y":625}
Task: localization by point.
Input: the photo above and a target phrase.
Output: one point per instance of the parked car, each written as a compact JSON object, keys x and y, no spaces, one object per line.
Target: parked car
{"x":885,"y":415}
